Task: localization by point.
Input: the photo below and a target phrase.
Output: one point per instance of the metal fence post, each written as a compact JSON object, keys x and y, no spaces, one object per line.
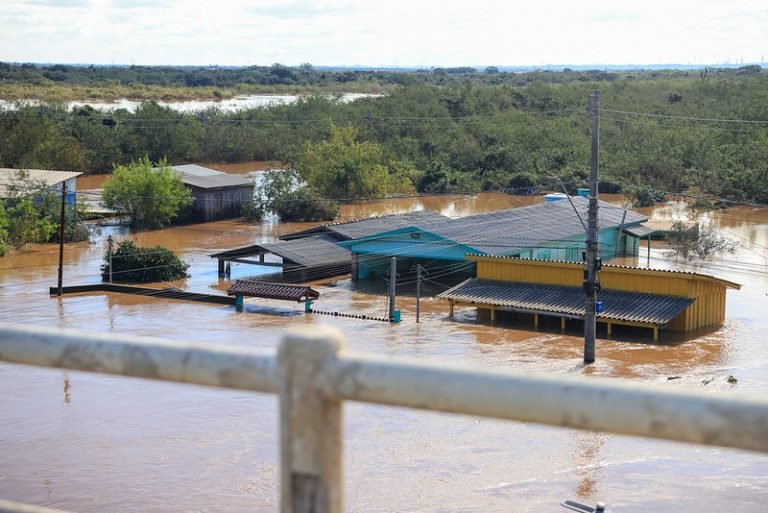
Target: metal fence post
{"x":311,"y":423}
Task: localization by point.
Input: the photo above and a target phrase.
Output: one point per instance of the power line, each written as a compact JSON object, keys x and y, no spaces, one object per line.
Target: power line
{"x":687,"y":118}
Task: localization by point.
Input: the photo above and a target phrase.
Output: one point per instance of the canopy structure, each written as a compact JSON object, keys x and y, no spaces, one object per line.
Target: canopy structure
{"x":271,"y":290}
{"x":567,"y":302}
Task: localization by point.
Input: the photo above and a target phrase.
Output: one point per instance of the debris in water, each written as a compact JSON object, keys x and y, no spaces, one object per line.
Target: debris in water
{"x":670,"y":378}
{"x":732,"y":380}
{"x":707,"y":381}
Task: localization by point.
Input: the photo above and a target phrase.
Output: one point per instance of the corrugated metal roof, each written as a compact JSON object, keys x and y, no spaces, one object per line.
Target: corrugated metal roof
{"x":374,"y":225}
{"x":204,"y":178}
{"x":317,"y":250}
{"x":46,"y":177}
{"x":311,"y":251}
{"x":570,"y":301}
{"x":640,"y":230}
{"x":269,"y":290}
{"x":633,"y":269}
{"x":358,"y":228}
{"x":195,"y":170}
{"x":519,"y":228}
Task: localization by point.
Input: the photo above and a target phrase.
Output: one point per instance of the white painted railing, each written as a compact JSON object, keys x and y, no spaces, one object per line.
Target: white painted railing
{"x":313,"y":374}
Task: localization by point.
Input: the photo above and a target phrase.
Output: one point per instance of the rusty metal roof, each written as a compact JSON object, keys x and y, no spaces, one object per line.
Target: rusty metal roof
{"x":270,"y":290}
{"x":568,"y":301}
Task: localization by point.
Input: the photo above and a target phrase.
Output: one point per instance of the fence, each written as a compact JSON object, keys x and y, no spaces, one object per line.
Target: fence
{"x":313,"y":375}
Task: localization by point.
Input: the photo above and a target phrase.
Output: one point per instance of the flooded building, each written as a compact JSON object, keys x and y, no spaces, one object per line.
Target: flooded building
{"x":547,"y":231}
{"x":216,"y":195}
{"x":630,"y":296}
{"x":315,"y":253}
{"x":19,"y":180}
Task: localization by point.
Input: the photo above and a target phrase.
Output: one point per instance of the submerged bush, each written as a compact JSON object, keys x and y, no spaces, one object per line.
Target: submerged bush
{"x":131,"y":263}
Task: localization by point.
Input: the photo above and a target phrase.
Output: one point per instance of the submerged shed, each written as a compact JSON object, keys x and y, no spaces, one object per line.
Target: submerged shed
{"x":216,"y":195}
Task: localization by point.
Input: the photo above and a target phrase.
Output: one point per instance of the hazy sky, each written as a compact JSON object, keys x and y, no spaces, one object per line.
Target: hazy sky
{"x":384,"y":32}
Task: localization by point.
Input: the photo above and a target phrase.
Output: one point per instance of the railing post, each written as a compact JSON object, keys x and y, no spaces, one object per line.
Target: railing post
{"x":311,"y":438}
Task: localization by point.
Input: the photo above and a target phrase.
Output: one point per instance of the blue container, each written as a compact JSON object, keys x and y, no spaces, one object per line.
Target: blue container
{"x":555,"y":196}
{"x":396,"y":316}
{"x":583,"y":192}
{"x":599,"y":307}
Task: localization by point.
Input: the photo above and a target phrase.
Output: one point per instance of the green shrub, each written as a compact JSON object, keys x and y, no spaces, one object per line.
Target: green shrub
{"x":134,"y":264}
{"x":150,"y":197}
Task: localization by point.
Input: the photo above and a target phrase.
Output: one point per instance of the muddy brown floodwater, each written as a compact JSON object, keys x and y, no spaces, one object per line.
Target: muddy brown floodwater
{"x":85,"y":442}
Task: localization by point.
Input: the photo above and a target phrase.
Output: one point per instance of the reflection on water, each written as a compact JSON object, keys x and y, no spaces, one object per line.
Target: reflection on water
{"x":132,"y":445}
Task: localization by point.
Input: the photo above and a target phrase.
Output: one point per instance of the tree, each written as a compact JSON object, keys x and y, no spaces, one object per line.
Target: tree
{"x":150,"y":197}
{"x":342,"y":167}
{"x":131,"y":263}
{"x":283,"y":193}
{"x":696,"y":241}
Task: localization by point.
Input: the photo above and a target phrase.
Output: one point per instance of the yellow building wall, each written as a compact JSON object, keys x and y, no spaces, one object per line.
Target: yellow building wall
{"x":709,"y":293}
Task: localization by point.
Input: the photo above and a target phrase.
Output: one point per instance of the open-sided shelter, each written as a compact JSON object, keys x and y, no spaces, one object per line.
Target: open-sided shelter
{"x":631,"y":296}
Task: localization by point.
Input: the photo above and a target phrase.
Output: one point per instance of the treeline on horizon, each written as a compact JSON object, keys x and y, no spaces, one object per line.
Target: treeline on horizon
{"x":472,"y":131}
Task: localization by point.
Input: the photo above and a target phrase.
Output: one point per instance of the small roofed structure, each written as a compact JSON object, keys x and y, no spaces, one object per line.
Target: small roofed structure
{"x":651,"y":298}
{"x":314,"y":257}
{"x":216,"y":195}
{"x":11,"y":179}
{"x":271,"y":290}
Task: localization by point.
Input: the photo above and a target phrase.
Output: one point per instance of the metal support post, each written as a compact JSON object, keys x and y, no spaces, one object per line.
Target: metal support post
{"x":392,"y":285}
{"x":591,"y":284}
{"x":419,"y":270}
{"x":110,"y":241}
{"x":311,"y":423}
{"x":62,"y":220}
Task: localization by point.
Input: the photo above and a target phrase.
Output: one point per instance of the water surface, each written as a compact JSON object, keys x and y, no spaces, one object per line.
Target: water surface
{"x":86,"y":442}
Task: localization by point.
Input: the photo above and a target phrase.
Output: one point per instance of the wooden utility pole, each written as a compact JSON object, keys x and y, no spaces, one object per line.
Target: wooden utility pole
{"x":591,"y":284}
{"x":62,"y":220}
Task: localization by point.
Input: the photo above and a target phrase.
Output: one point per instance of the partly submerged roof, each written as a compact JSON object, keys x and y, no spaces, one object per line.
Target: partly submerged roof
{"x":509,"y":231}
{"x":205,"y":178}
{"x":568,"y":301}
{"x":311,"y":251}
{"x":359,"y":228}
{"x":44,"y":177}
{"x":270,"y":290}
{"x":317,"y":250}
{"x":519,"y":228}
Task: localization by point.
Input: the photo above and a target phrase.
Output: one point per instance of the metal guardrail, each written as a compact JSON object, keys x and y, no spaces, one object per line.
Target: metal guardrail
{"x":313,"y":375}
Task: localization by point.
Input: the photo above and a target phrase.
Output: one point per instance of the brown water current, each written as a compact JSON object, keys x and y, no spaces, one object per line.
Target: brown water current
{"x":85,"y":442}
